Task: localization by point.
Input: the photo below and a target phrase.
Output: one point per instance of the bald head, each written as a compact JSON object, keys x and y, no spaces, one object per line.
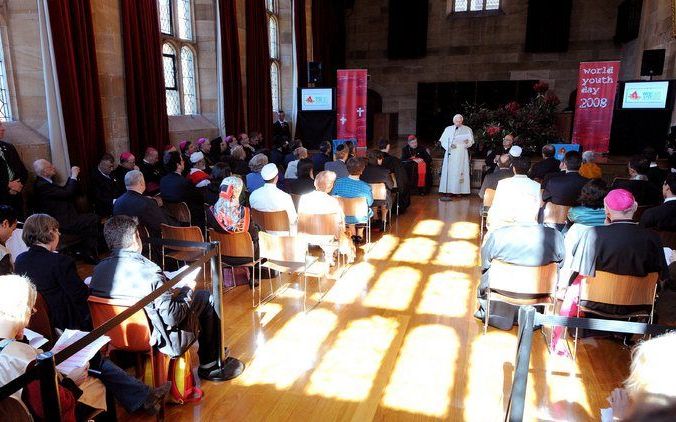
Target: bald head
{"x":504,"y":161}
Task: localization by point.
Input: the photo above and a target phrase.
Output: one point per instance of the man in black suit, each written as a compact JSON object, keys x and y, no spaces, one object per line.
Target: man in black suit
{"x":565,"y":189}
{"x":146,"y":209}
{"x":413,"y":151}
{"x":175,"y":188}
{"x":655,"y":174}
{"x":127,"y":163}
{"x":393,"y":164}
{"x":152,"y":171}
{"x":493,"y":154}
{"x":13,"y":175}
{"x":104,"y":187}
{"x":281,"y":130}
{"x":548,"y":165}
{"x":374,"y":173}
{"x":663,"y":217}
{"x":645,"y":192}
{"x":503,"y":171}
{"x":59,"y":202}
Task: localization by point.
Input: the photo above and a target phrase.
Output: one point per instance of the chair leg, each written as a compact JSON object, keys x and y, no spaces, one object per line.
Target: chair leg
{"x":304,"y":292}
{"x":488,"y":310}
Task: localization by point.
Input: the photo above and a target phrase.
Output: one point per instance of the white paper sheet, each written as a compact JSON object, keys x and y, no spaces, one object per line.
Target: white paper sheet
{"x":35,"y":340}
{"x":82,"y":357}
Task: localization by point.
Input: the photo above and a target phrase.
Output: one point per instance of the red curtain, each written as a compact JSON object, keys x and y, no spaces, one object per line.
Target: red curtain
{"x":300,"y":29}
{"x":328,"y":37}
{"x":144,"y":75}
{"x":232,"y":72}
{"x":258,"y":92}
{"x":75,"y":54}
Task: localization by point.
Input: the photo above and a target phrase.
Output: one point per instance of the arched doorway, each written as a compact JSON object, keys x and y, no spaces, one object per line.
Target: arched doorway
{"x":374,"y":105}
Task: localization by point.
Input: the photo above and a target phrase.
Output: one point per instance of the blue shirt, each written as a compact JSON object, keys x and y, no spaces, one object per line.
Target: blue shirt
{"x":254,"y":181}
{"x":587,"y":216}
{"x":350,"y":188}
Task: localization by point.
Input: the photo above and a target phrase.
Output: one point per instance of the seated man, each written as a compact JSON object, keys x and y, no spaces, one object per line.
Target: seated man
{"x":152,"y":171}
{"x":493,"y":154}
{"x":549,"y":164}
{"x":322,"y":157}
{"x":204,"y":146}
{"x":655,"y":174}
{"x":175,"y":188}
{"x":502,"y":172}
{"x":104,"y":187}
{"x":393,"y":164}
{"x":663,"y":217}
{"x":517,"y":199}
{"x":418,"y":163}
{"x":375,"y":173}
{"x":526,"y":244}
{"x":13,"y":176}
{"x":270,"y":198}
{"x":59,"y":202}
{"x":338,"y":166}
{"x":198,"y":175}
{"x":134,"y":204}
{"x":127,"y":163}
{"x":178,"y":316}
{"x":565,"y":189}
{"x":645,"y":192}
{"x":619,"y":247}
{"x":305,"y":182}
{"x":352,"y":187}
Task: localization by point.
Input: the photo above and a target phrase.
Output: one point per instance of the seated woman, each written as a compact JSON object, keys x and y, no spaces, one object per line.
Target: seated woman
{"x":238,"y":162}
{"x":254,"y":180}
{"x":300,"y":154}
{"x":375,"y":173}
{"x":590,"y":212}
{"x":320,"y":201}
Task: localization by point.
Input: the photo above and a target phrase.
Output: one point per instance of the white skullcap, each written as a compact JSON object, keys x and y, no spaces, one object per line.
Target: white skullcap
{"x":269,"y":171}
{"x":196,"y":157}
{"x":458,"y":116}
{"x":515,"y":151}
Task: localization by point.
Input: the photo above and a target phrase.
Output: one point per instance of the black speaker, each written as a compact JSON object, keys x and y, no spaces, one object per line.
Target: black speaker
{"x":314,"y":73}
{"x":407,"y":32}
{"x":653,"y":62}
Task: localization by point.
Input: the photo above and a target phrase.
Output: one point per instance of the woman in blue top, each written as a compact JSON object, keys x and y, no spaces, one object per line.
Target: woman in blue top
{"x":591,"y":211}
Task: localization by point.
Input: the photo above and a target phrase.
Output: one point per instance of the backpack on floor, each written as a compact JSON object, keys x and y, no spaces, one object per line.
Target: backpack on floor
{"x":184,"y":387}
{"x":242,"y":276}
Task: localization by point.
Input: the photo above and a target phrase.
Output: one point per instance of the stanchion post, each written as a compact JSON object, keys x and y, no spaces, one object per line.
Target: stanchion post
{"x":217,"y":293}
{"x":518,"y":396}
{"x":49,"y":386}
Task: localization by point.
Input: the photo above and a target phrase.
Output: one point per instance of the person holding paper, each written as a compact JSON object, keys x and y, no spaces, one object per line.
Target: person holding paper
{"x":455,"y":175}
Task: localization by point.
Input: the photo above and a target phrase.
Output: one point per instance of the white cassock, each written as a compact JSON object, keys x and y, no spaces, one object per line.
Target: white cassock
{"x":455,"y":176}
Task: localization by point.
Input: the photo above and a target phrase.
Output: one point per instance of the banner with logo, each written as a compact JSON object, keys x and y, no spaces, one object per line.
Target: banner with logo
{"x":596,"y":88}
{"x":351,"y":105}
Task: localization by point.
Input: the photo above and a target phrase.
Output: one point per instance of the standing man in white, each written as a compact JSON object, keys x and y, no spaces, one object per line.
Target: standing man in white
{"x":455,"y":176}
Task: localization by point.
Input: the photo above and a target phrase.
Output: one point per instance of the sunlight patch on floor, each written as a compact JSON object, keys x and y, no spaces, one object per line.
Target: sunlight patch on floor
{"x":417,"y":250}
{"x":267,"y":311}
{"x":445,"y":294}
{"x":352,"y":285}
{"x":347,"y":370}
{"x":291,"y":352}
{"x":424,"y":374}
{"x":458,"y":253}
{"x":383,"y":248}
{"x":464,"y":230}
{"x":394,"y":289}
{"x":428,"y":228}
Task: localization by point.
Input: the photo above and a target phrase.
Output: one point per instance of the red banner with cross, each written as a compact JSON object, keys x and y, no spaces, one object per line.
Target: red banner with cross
{"x":596,"y":88}
{"x":351,"y":105}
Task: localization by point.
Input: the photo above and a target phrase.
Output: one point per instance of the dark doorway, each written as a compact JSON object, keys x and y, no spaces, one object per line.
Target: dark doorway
{"x":374,"y":105}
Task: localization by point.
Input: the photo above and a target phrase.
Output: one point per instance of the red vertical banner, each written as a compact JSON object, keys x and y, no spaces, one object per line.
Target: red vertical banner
{"x":596,"y":88}
{"x":351,"y":105}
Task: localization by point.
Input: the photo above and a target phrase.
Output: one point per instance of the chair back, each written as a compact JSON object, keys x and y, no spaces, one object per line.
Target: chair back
{"x":379,"y":191}
{"x":489,"y":194}
{"x":354,"y":207}
{"x":189,"y":234}
{"x":555,"y":214}
{"x":276,"y":221}
{"x":179,"y":211}
{"x":621,"y":290}
{"x":282,"y":248}
{"x":668,"y":239}
{"x":40,"y":322}
{"x":318,"y":224}
{"x":234,"y":245}
{"x":296,"y":200}
{"x":132,"y":334}
{"x":394,"y":180}
{"x":14,"y":410}
{"x":518,"y":279}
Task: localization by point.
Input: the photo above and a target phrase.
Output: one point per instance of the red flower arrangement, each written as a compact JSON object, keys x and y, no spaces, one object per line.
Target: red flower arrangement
{"x":541,"y":87}
{"x":512,"y":107}
{"x":493,"y":130}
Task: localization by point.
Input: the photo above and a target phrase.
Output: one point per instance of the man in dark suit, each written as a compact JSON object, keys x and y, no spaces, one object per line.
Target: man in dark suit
{"x":655,"y":174}
{"x":322,"y":157}
{"x":493,"y":154}
{"x":565,"y":189}
{"x":620,"y":247}
{"x":548,"y":165}
{"x":152,"y":171}
{"x":409,"y":154}
{"x":281,"y":130}
{"x":663,"y":217}
{"x":645,"y":192}
{"x":127,"y":163}
{"x":175,"y":188}
{"x":503,"y":171}
{"x":374,"y":173}
{"x":59,"y":202}
{"x":393,"y":164}
{"x":104,"y":187}
{"x":146,"y":209}
{"x":13,"y":175}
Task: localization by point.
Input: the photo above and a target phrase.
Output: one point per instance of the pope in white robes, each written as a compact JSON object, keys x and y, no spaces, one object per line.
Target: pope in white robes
{"x":455,"y":174}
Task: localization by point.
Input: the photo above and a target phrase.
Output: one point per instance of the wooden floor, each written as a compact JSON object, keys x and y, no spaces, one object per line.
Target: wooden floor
{"x":394,"y":339}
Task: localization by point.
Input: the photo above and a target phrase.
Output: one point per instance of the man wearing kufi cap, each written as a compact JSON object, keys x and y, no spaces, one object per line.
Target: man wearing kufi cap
{"x":270,"y":198}
{"x":619,"y":247}
{"x":455,"y":175}
{"x":198,"y":176}
{"x":418,"y":164}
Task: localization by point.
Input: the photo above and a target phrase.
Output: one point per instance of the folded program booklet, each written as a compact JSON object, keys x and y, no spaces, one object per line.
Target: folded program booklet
{"x":82,"y":357}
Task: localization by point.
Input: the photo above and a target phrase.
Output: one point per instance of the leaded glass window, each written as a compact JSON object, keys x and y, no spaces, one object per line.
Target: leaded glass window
{"x":275,"y":65}
{"x":5,"y":105}
{"x":188,"y":73}
{"x":475,"y":6}
{"x":272,"y":36}
{"x":170,"y":80}
{"x":271,"y":6}
{"x":184,"y":19}
{"x":164,"y":9}
{"x":274,"y":85}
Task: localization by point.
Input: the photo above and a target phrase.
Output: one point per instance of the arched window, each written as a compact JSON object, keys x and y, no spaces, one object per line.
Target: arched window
{"x":5,"y":105}
{"x":179,"y":56}
{"x":275,"y":66}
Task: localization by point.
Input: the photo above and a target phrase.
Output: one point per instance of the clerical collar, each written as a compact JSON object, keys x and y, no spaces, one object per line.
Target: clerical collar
{"x":672,"y":198}
{"x":640,"y":177}
{"x":49,"y":180}
{"x":653,"y":164}
{"x":104,"y":174}
{"x":571,"y":171}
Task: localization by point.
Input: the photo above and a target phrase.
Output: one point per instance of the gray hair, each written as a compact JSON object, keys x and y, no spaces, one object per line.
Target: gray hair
{"x":17,"y":300}
{"x":39,"y":166}
{"x":133,"y":178}
{"x":257,"y":162}
{"x":588,"y":157}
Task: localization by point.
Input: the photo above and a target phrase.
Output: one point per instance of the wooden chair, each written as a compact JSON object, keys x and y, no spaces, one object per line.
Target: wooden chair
{"x":510,"y":283}
{"x":357,"y":208}
{"x":395,"y":192}
{"x":40,"y":321}
{"x":668,"y":239}
{"x":14,"y":410}
{"x":179,"y":211}
{"x":555,"y":214}
{"x":320,"y":225}
{"x":619,"y":290}
{"x":237,"y":245}
{"x":489,"y":194}
{"x":379,"y":192}
{"x":296,"y":200}
{"x":289,"y":254}
{"x":144,"y":235}
{"x":275,"y":221}
{"x":183,"y":254}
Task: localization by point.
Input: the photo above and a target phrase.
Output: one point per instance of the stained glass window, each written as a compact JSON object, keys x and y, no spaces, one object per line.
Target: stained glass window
{"x":164,"y":8}
{"x":188,"y":75}
{"x":5,"y":106}
{"x":170,"y":80}
{"x":274,"y":43}
{"x":184,"y":19}
{"x":274,"y":84}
